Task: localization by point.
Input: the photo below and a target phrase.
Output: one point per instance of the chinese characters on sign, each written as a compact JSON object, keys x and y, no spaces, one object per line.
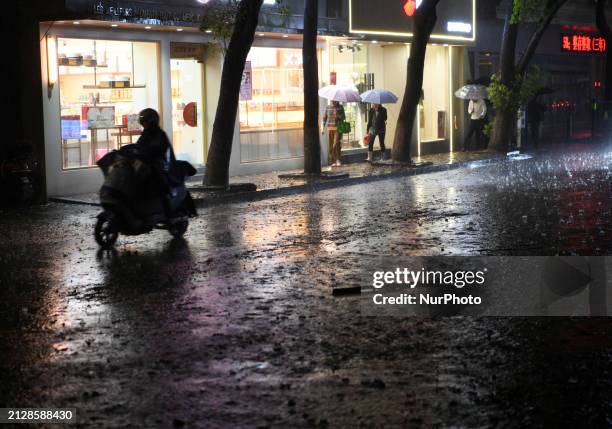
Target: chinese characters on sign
{"x":583,"y":43}
{"x":138,"y":10}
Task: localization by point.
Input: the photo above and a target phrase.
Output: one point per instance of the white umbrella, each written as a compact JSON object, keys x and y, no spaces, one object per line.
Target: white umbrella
{"x":379,"y":96}
{"x":472,"y":92}
{"x":345,"y":94}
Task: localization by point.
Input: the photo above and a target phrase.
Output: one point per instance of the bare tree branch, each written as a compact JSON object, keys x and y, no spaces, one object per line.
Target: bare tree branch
{"x":551,"y":9}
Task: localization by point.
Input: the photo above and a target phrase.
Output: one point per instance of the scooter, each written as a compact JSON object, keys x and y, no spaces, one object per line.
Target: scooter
{"x":132,"y":207}
{"x":17,"y":176}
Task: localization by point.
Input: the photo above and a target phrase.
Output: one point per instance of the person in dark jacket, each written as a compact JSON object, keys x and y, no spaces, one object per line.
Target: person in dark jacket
{"x":159,"y":153}
{"x":377,"y":127}
{"x":154,"y":140}
{"x":535,"y":116}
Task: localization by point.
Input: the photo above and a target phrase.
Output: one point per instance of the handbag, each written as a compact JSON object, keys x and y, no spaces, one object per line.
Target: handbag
{"x":344,"y":127}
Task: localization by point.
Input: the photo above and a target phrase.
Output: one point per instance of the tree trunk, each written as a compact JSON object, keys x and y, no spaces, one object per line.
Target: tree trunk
{"x":502,"y":131}
{"x":504,"y":126}
{"x":312,"y":144}
{"x":217,"y":164}
{"x":424,"y":21}
{"x":509,"y":70}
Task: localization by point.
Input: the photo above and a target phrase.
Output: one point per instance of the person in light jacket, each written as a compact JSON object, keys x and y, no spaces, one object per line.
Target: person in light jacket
{"x":377,"y":126}
{"x":334,"y":114}
{"x":478,"y":112}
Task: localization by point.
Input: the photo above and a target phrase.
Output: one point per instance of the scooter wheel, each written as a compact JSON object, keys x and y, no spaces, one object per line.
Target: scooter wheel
{"x":105,"y":236}
{"x":179,"y":229}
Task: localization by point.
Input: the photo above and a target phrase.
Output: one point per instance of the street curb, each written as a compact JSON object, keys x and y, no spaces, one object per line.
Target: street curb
{"x":72,"y":201}
{"x":338,"y":183}
{"x":251,"y":196}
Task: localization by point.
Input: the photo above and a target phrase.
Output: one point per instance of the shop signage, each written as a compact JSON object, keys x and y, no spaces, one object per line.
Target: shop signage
{"x":146,"y":11}
{"x":137,"y":11}
{"x":458,"y":27}
{"x":395,"y":18}
{"x":190,"y":114}
{"x":189,"y":51}
{"x":583,"y":43}
{"x":102,"y":8}
{"x":246,"y":86}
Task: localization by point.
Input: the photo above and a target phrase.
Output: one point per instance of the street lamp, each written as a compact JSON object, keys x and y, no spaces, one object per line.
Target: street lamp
{"x":51,"y":64}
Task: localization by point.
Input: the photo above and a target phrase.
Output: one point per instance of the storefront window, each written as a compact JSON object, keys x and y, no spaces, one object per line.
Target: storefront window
{"x":275,"y":97}
{"x":103,"y":85}
{"x":272,"y":105}
{"x":433,"y":109}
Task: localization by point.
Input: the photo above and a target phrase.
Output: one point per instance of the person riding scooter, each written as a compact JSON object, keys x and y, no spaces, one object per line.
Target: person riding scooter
{"x":159,"y":152}
{"x":144,"y":187}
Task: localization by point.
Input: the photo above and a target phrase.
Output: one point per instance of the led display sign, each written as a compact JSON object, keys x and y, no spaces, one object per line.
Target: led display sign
{"x":395,"y":18}
{"x":583,"y":43}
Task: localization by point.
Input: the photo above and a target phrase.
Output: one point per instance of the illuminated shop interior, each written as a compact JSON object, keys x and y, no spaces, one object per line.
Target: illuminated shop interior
{"x":272,"y":107}
{"x":103,"y":85}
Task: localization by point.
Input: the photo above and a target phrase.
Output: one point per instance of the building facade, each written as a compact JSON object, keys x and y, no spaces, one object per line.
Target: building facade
{"x":571,"y":56}
{"x":101,"y":62}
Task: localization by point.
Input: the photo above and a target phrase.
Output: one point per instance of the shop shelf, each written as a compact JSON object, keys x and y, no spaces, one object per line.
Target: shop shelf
{"x":100,"y":66}
{"x":110,"y":87}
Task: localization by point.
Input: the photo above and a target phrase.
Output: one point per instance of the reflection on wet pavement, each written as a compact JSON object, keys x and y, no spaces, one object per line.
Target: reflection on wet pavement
{"x":236,"y":326}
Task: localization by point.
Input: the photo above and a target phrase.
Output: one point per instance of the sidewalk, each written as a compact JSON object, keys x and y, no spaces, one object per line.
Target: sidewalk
{"x":269,"y":184}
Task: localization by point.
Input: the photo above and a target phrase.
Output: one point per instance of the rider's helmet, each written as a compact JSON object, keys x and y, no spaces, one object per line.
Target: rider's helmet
{"x":148,"y":118}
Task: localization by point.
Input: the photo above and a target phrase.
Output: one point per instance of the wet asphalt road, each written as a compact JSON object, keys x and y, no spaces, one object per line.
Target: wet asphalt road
{"x":236,"y":326}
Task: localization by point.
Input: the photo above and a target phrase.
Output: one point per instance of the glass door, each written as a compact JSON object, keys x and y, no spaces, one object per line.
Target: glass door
{"x":188,"y":136}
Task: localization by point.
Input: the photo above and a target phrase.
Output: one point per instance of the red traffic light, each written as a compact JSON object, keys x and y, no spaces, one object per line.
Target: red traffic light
{"x":410,"y":7}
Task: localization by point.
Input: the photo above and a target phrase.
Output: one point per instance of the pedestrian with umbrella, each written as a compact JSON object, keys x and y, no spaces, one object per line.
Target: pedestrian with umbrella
{"x":377,"y":119}
{"x":335,"y":118}
{"x":477,"y":109}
